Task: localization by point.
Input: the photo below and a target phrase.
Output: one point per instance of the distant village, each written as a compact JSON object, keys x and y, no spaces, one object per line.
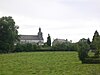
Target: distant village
{"x":38,"y":39}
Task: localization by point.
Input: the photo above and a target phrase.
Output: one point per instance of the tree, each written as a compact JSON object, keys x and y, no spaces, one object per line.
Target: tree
{"x":60,"y":46}
{"x":8,"y":34}
{"x":88,"y":41}
{"x":49,"y":40}
{"x":96,"y":34}
{"x":96,"y":45}
{"x":83,"y":49}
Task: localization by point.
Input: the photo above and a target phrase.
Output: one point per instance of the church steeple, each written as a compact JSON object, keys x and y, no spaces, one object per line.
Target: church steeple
{"x":40,"y":33}
{"x":39,"y":29}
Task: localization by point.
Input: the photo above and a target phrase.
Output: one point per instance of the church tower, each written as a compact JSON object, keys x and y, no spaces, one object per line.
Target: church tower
{"x":40,"y":34}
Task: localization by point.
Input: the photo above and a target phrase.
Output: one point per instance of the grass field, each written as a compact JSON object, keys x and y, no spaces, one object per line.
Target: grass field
{"x":45,"y":63}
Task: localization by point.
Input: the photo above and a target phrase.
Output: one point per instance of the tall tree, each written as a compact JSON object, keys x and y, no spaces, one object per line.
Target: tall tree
{"x":8,"y":34}
{"x":49,"y":40}
{"x":96,"y":34}
{"x":88,"y":41}
{"x":96,"y":45}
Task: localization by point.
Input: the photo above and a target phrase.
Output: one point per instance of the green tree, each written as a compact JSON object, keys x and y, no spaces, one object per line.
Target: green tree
{"x":19,"y":47}
{"x":88,"y":41}
{"x":60,"y":46}
{"x":96,"y":34}
{"x":83,"y":49}
{"x":96,"y":45}
{"x":8,"y":34}
{"x":49,"y":40}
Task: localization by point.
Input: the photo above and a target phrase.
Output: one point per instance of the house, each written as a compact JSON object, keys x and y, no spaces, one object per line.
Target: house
{"x":83,"y":40}
{"x":58,"y":41}
{"x":37,"y":39}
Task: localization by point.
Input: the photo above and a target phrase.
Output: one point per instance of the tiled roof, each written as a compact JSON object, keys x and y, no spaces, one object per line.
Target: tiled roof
{"x":30,"y":37}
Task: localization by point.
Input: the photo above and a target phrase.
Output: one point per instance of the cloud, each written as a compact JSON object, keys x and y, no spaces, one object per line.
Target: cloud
{"x":72,"y":19}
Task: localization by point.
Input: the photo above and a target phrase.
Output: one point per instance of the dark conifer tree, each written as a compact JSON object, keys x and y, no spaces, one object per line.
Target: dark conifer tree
{"x":49,"y":40}
{"x":88,"y":41}
{"x":96,"y":34}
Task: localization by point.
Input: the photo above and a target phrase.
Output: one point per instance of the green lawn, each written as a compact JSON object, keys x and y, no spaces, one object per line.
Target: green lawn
{"x":45,"y":63}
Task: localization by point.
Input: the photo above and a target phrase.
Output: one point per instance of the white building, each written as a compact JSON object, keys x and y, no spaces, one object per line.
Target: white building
{"x":38,"y":39}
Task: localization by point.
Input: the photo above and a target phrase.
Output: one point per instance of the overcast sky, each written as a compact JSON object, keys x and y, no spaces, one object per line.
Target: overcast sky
{"x":64,"y":19}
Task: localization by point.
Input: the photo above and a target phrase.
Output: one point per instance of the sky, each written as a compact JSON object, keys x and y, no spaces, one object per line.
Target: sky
{"x":62,"y":19}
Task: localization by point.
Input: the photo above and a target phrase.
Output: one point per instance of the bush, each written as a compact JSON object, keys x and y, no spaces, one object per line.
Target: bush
{"x":92,"y":60}
{"x":19,"y":48}
{"x":65,"y":47}
{"x":83,"y":50}
{"x":4,"y":48}
{"x":26,"y":47}
{"x":95,"y":45}
{"x":59,"y":46}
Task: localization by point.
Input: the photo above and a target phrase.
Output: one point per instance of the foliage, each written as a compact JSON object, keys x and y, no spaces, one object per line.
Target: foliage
{"x":88,"y":41}
{"x":96,"y":34}
{"x":49,"y":40}
{"x":96,"y":45}
{"x":45,"y":45}
{"x":83,"y":50}
{"x":92,"y":60}
{"x":18,"y":48}
{"x":8,"y":34}
{"x":59,"y":46}
{"x":72,"y":47}
{"x":67,"y":46}
{"x":28,"y":47}
{"x":45,"y":63}
{"x":85,"y":45}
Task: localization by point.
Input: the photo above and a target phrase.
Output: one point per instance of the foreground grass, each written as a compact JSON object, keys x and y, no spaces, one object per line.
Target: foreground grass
{"x":45,"y":63}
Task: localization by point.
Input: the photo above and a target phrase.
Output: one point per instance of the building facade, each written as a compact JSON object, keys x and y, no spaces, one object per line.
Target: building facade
{"x":37,"y":39}
{"x":58,"y":41}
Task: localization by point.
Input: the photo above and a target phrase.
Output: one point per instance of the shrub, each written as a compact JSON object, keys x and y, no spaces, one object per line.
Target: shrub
{"x":26,"y":47}
{"x":59,"y":47}
{"x":92,"y":60}
{"x":83,"y":50}
{"x":65,"y":46}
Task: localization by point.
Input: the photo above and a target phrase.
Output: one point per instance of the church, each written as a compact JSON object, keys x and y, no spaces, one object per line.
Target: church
{"x":37,"y":39}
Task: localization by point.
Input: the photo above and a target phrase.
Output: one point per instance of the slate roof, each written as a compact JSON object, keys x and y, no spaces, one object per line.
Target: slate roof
{"x":30,"y":37}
